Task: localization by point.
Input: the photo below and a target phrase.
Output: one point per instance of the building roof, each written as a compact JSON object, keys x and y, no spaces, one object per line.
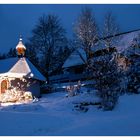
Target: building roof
{"x":126,"y":40}
{"x":18,"y":68}
{"x":74,"y":59}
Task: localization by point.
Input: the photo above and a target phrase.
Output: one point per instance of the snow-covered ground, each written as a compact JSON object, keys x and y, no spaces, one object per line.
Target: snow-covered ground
{"x":54,"y":115}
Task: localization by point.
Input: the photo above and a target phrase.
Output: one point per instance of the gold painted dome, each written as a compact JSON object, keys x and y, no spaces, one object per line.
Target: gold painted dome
{"x":20,"y":48}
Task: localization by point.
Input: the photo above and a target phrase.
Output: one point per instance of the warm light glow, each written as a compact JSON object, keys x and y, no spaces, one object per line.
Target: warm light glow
{"x":31,"y":74}
{"x":21,"y":51}
{"x":20,"y":48}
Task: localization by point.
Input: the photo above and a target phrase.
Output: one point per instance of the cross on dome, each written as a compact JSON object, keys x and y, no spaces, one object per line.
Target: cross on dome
{"x":20,"y":38}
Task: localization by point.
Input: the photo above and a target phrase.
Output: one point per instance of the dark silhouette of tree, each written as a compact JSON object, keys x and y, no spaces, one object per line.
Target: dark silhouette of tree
{"x":11,"y":53}
{"x":48,"y":37}
{"x":2,"y":56}
{"x":32,"y":55}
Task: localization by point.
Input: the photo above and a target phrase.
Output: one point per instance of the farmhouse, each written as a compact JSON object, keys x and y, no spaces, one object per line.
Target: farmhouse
{"x":19,"y":74}
{"x":74,"y":67}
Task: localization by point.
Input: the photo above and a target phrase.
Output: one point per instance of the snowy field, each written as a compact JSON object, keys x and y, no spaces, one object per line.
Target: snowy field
{"x":54,"y":115}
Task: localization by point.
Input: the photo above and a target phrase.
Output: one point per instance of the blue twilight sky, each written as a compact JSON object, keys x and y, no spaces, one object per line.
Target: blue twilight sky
{"x":18,"y":19}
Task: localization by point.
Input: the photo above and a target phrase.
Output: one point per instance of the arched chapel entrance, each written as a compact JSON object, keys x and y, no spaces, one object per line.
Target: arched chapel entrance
{"x":4,"y":86}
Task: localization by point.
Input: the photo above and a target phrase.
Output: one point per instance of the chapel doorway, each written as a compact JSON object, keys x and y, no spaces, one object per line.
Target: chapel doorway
{"x":4,"y":86}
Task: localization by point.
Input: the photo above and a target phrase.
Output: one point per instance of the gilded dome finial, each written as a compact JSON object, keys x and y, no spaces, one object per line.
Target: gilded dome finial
{"x":20,"y":47}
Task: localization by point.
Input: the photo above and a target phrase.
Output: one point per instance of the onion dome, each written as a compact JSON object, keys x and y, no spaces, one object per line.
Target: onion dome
{"x":20,"y":48}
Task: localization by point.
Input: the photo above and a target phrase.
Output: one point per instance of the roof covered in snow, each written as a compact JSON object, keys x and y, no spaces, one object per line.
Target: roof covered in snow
{"x":126,"y":40}
{"x":19,"y":67}
{"x":75,"y":59}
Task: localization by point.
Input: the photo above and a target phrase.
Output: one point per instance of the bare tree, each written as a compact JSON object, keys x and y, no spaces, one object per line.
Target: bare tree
{"x":86,"y":31}
{"x":110,"y":29}
{"x":48,"y":37}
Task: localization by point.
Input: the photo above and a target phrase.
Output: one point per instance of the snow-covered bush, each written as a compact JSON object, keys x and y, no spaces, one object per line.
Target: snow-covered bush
{"x":27,"y":96}
{"x":14,"y":95}
{"x":134,"y":77}
{"x":74,"y":90}
{"x":133,"y":53}
{"x":107,"y":78}
{"x":17,"y":92}
{"x":71,"y":90}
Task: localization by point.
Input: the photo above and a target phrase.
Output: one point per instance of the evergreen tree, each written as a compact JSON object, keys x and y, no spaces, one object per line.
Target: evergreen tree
{"x":2,"y":56}
{"x":11,"y":53}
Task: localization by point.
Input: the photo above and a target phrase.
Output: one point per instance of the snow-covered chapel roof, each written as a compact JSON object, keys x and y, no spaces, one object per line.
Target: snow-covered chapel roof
{"x":126,"y":40}
{"x":18,"y":68}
